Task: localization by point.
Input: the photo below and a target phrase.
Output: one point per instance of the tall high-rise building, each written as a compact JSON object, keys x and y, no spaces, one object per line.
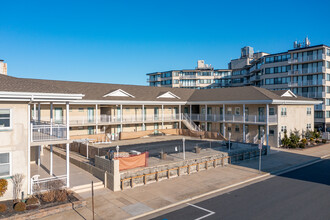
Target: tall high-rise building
{"x":305,"y":70}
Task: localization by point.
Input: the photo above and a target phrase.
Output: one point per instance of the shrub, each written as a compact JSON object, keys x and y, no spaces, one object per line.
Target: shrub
{"x":3,"y":207}
{"x":61,"y":195}
{"x":32,"y":201}
{"x":3,"y":186}
{"x":48,"y":196}
{"x":304,"y":141}
{"x":20,"y":207}
{"x":316,"y":134}
{"x":301,"y":145}
{"x":317,"y":141}
{"x":324,"y":141}
{"x":311,"y":139}
{"x":285,"y":141}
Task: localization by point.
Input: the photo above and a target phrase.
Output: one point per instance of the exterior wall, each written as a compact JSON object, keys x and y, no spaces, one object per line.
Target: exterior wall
{"x":296,"y":117}
{"x":15,"y":141}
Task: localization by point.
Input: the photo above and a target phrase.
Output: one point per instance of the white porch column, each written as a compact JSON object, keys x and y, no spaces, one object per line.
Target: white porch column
{"x":224,"y":119}
{"x":162,"y":116}
{"x":39,"y":115}
{"x":205,"y":117}
{"x":180,"y":116}
{"x":244,"y":123}
{"x":39,"y":154}
{"x":121,"y":118}
{"x":267,"y":124}
{"x":34,"y":112}
{"x":143,"y":125}
{"x":51,"y":146}
{"x":96,"y":119}
{"x":29,"y":149}
{"x":67,"y":147}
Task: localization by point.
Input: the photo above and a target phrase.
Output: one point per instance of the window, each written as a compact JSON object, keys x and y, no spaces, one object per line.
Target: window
{"x":229,"y":111}
{"x":5,"y":118}
{"x":283,"y":128}
{"x":309,"y":111}
{"x":271,"y":111}
{"x":283,"y":111}
{"x":318,"y":115}
{"x":309,"y":127}
{"x":81,"y":109}
{"x":237,"y":111}
{"x":327,"y":114}
{"x":229,"y":129}
{"x":5,"y":164}
{"x":271,"y":132}
{"x":236,"y":128}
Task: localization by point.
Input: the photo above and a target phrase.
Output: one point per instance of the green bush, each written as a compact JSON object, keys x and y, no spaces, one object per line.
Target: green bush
{"x":285,"y":140}
{"x":324,"y":141}
{"x":301,"y":145}
{"x":317,"y":141}
{"x":304,"y":141}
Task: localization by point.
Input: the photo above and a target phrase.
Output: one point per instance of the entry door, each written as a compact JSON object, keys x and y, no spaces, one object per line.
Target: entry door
{"x":58,"y":116}
{"x":261,"y":111}
{"x":90,"y":115}
{"x":156,"y":111}
{"x":246,"y":114}
{"x":186,"y":110}
{"x":90,"y":130}
{"x":156,"y":128}
{"x":118,"y":114}
{"x":261,"y":131}
{"x":176,"y":112}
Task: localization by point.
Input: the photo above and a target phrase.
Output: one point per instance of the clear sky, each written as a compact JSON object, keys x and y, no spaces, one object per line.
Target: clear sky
{"x":121,"y":41}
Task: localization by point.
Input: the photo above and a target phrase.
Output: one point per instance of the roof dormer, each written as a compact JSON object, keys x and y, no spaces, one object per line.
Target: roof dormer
{"x":119,"y":93}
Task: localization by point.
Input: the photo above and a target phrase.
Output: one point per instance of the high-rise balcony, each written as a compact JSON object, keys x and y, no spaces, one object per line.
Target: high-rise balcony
{"x":307,"y":58}
{"x":307,"y":83}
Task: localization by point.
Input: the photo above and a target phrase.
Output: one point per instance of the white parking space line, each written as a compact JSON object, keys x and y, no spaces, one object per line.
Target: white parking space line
{"x":206,"y":210}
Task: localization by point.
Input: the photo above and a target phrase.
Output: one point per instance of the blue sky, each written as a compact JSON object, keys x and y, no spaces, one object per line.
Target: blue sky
{"x":121,"y":41}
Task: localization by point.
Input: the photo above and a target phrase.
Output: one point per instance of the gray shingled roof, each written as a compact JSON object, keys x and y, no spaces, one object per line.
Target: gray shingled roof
{"x":96,"y":91}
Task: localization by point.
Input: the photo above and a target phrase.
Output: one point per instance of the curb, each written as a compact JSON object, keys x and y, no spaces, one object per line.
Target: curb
{"x":232,"y":186}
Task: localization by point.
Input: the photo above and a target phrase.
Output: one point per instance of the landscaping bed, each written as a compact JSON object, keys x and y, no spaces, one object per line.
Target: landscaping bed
{"x":305,"y":140}
{"x":40,"y":205}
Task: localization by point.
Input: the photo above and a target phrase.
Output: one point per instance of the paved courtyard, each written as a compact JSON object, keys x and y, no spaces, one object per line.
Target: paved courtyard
{"x":132,"y":202}
{"x":78,"y":176}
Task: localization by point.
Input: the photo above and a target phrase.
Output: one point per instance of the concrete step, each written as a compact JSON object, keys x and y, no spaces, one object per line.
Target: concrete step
{"x":87,"y":187}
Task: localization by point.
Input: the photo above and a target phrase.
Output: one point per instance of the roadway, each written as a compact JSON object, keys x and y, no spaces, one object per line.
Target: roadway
{"x":300,"y":194}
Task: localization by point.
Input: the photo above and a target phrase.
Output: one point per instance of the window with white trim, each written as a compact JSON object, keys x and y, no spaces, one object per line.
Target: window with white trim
{"x":283,"y":111}
{"x":271,"y":111}
{"x":5,"y":164}
{"x":309,"y":126}
{"x":283,"y":128}
{"x":309,"y":111}
{"x":5,"y":118}
{"x":237,"y":111}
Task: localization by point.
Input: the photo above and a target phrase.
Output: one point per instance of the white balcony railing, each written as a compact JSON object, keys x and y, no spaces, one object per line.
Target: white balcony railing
{"x":234,"y":118}
{"x":48,"y":132}
{"x":115,"y":119}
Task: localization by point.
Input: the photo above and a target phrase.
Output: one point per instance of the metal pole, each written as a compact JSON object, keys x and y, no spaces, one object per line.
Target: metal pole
{"x":229,"y":136}
{"x":93,"y":199}
{"x":87,"y":149}
{"x":184,"y":148}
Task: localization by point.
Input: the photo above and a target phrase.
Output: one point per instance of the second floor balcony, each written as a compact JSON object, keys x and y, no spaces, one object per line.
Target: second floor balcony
{"x":307,"y":83}
{"x":48,"y":132}
{"x":252,"y":119}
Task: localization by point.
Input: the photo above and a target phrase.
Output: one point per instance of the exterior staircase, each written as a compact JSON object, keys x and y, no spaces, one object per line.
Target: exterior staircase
{"x":189,"y":123}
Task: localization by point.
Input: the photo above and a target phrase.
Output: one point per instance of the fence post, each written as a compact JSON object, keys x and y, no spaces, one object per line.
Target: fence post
{"x":188,"y":171}
{"x":168,"y":174}
{"x":145,"y":179}
{"x":105,"y":179}
{"x":214,"y":163}
{"x":197,"y":167}
{"x":157,"y":176}
{"x":206,"y":165}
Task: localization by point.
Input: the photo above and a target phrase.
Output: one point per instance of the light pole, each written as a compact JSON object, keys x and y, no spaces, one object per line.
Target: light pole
{"x":229,"y":136}
{"x":260,"y":149}
{"x":184,"y":148}
{"x":117,"y":148}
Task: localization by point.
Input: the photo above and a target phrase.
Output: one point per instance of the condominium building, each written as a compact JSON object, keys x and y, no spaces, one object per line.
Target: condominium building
{"x":203,"y":76}
{"x":305,"y":70}
{"x":38,"y":113}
